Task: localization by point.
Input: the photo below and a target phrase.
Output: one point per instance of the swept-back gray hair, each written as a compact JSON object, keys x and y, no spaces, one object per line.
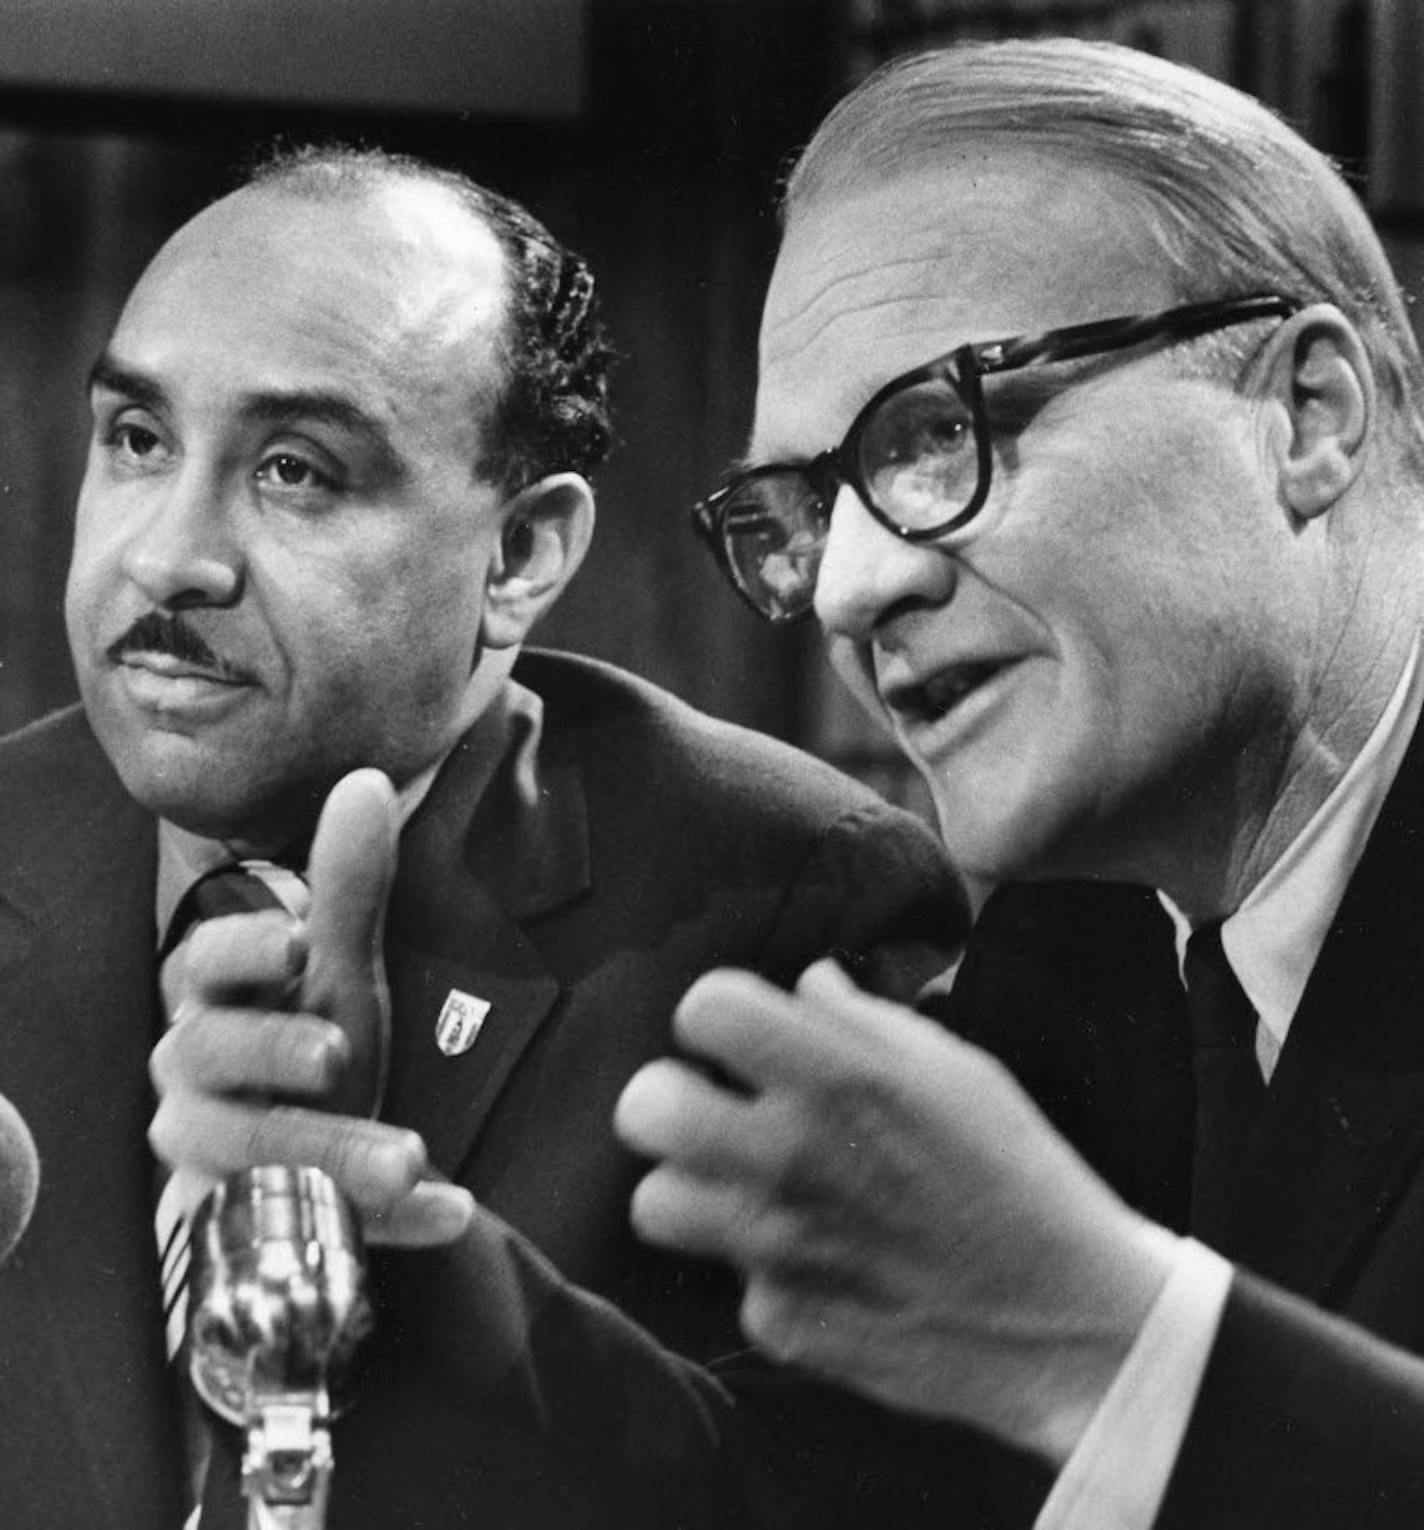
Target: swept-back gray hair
{"x":1240,"y":202}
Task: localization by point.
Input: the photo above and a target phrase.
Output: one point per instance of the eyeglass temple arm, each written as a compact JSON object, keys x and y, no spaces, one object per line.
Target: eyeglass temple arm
{"x":1118,"y":334}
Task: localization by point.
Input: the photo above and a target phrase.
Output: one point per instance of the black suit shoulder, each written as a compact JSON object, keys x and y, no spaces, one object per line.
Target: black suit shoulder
{"x":775,"y":855}
{"x":64,"y":814}
{"x":628,"y":721}
{"x":53,"y":757}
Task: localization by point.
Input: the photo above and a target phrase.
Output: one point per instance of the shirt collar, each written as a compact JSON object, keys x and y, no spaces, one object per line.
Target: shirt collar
{"x":1273,"y":939}
{"x":510,"y":725}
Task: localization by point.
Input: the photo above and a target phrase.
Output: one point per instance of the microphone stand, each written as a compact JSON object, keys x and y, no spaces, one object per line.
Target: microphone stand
{"x":278,"y":1308}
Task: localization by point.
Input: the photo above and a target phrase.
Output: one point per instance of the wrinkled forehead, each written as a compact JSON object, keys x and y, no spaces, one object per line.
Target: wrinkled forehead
{"x":870,"y":283}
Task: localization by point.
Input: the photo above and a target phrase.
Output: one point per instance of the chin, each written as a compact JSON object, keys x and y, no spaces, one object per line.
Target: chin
{"x":185,"y":788}
{"x":192,"y":806}
{"x":993,"y":836}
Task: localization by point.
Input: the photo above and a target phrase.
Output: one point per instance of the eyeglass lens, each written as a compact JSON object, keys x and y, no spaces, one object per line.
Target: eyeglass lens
{"x":918,"y":465}
{"x":774,"y":531}
{"x":917,"y":457}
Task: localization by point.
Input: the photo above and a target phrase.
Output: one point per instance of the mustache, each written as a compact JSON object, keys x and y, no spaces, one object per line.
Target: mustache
{"x":167,"y":632}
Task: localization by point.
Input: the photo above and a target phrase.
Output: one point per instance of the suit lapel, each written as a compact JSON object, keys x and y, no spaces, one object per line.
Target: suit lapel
{"x":1343,"y":1128}
{"x":79,"y":1300}
{"x":472,"y":874}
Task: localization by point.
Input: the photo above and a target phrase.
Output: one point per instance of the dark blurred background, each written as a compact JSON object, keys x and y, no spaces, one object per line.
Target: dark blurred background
{"x":650,"y":135}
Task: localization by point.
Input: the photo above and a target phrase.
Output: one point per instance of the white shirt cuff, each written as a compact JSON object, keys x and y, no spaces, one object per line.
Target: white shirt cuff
{"x":1117,"y":1476}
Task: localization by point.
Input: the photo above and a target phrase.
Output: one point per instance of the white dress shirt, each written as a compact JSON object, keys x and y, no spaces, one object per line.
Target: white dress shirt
{"x":1117,"y":1476}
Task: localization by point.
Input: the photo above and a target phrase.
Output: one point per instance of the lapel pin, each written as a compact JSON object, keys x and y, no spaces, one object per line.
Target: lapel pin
{"x":462,"y":1017}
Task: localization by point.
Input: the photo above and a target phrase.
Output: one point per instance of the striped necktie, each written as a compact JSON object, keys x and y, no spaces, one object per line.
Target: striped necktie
{"x":239,"y":887}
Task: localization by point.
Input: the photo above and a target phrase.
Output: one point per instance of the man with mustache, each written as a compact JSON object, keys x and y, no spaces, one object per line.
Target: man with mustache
{"x":342,"y":435}
{"x":1089,"y":426}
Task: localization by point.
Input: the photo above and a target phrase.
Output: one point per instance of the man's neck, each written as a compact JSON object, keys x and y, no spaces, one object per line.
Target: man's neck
{"x":511,"y":718}
{"x":1289,"y":757}
{"x":1366,"y":737}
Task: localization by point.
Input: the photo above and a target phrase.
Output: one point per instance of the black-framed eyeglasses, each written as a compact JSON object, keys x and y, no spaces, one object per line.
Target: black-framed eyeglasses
{"x":919,"y":454}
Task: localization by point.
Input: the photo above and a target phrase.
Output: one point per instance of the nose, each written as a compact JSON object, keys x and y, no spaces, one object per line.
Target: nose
{"x":182,"y":553}
{"x":868,"y":574}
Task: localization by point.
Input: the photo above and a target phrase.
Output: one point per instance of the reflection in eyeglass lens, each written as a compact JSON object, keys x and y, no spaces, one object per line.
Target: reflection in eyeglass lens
{"x":775,"y":547}
{"x":918,"y":455}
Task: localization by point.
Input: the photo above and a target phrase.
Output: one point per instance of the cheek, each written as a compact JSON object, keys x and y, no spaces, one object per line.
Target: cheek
{"x":853,"y":667}
{"x":394,"y":636}
{"x":435,"y":601}
{"x":90,"y":553}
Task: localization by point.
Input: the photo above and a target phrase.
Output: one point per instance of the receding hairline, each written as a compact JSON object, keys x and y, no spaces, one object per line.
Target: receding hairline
{"x":375,"y":191}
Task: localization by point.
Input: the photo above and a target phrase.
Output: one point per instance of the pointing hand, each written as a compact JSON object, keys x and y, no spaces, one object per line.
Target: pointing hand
{"x":246,"y":1078}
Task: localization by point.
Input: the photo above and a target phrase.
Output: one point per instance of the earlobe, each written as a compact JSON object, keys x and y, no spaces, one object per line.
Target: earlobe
{"x":1322,"y":377}
{"x":545,"y":533}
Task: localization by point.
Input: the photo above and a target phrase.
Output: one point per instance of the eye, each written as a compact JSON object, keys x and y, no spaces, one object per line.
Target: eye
{"x":922,"y":425}
{"x":137,"y":441}
{"x":133,"y":445}
{"x":918,"y":454}
{"x":288,"y":470}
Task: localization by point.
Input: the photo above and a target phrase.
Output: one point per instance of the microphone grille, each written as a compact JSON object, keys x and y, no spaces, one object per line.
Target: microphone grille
{"x":19,"y":1177}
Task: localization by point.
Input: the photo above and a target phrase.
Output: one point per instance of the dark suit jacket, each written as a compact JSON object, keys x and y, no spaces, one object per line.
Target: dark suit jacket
{"x":664,"y":843}
{"x":1304,"y":1419}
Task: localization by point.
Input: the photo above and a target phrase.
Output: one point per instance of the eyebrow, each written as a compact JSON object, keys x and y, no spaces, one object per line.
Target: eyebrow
{"x":109,"y":374}
{"x":271,"y":407}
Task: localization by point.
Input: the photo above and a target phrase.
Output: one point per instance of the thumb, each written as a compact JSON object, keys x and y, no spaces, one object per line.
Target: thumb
{"x":351,"y":868}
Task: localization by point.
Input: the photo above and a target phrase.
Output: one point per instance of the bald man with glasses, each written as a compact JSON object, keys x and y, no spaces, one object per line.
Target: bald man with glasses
{"x":1138,"y":590}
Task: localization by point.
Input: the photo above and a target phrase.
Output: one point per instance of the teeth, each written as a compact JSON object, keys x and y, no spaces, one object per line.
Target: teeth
{"x":948,"y":689}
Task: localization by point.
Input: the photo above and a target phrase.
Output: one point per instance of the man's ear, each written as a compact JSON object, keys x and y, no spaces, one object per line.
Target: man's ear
{"x":1319,"y":374}
{"x":545,"y":531}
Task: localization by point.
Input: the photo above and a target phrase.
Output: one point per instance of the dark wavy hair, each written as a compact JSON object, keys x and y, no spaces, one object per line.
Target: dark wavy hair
{"x":551,"y":412}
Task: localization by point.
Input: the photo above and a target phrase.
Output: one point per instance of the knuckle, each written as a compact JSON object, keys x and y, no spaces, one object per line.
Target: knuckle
{"x":798,"y":1169}
{"x":160,"y":1065}
{"x":185,"y":1039}
{"x":173,"y":984}
{"x":353,"y":1162}
{"x":183,"y":1014}
{"x":198,"y":947}
{"x":776,"y":1236}
{"x":773,"y":1234}
{"x":162,"y":1132}
{"x":301,"y":1053}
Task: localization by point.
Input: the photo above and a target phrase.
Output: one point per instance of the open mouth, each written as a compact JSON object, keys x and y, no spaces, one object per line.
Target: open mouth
{"x":938,"y":696}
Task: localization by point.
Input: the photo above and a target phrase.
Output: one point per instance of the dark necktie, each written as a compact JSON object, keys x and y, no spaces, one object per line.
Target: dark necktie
{"x":241,"y":887}
{"x":1230,"y":1088}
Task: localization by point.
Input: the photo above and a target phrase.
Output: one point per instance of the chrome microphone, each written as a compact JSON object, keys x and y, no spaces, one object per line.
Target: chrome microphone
{"x":278,"y":1308}
{"x":19,"y":1177}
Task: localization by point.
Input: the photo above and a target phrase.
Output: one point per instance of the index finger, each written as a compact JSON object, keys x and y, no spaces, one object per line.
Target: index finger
{"x":670,"y":1110}
{"x":373,"y":1163}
